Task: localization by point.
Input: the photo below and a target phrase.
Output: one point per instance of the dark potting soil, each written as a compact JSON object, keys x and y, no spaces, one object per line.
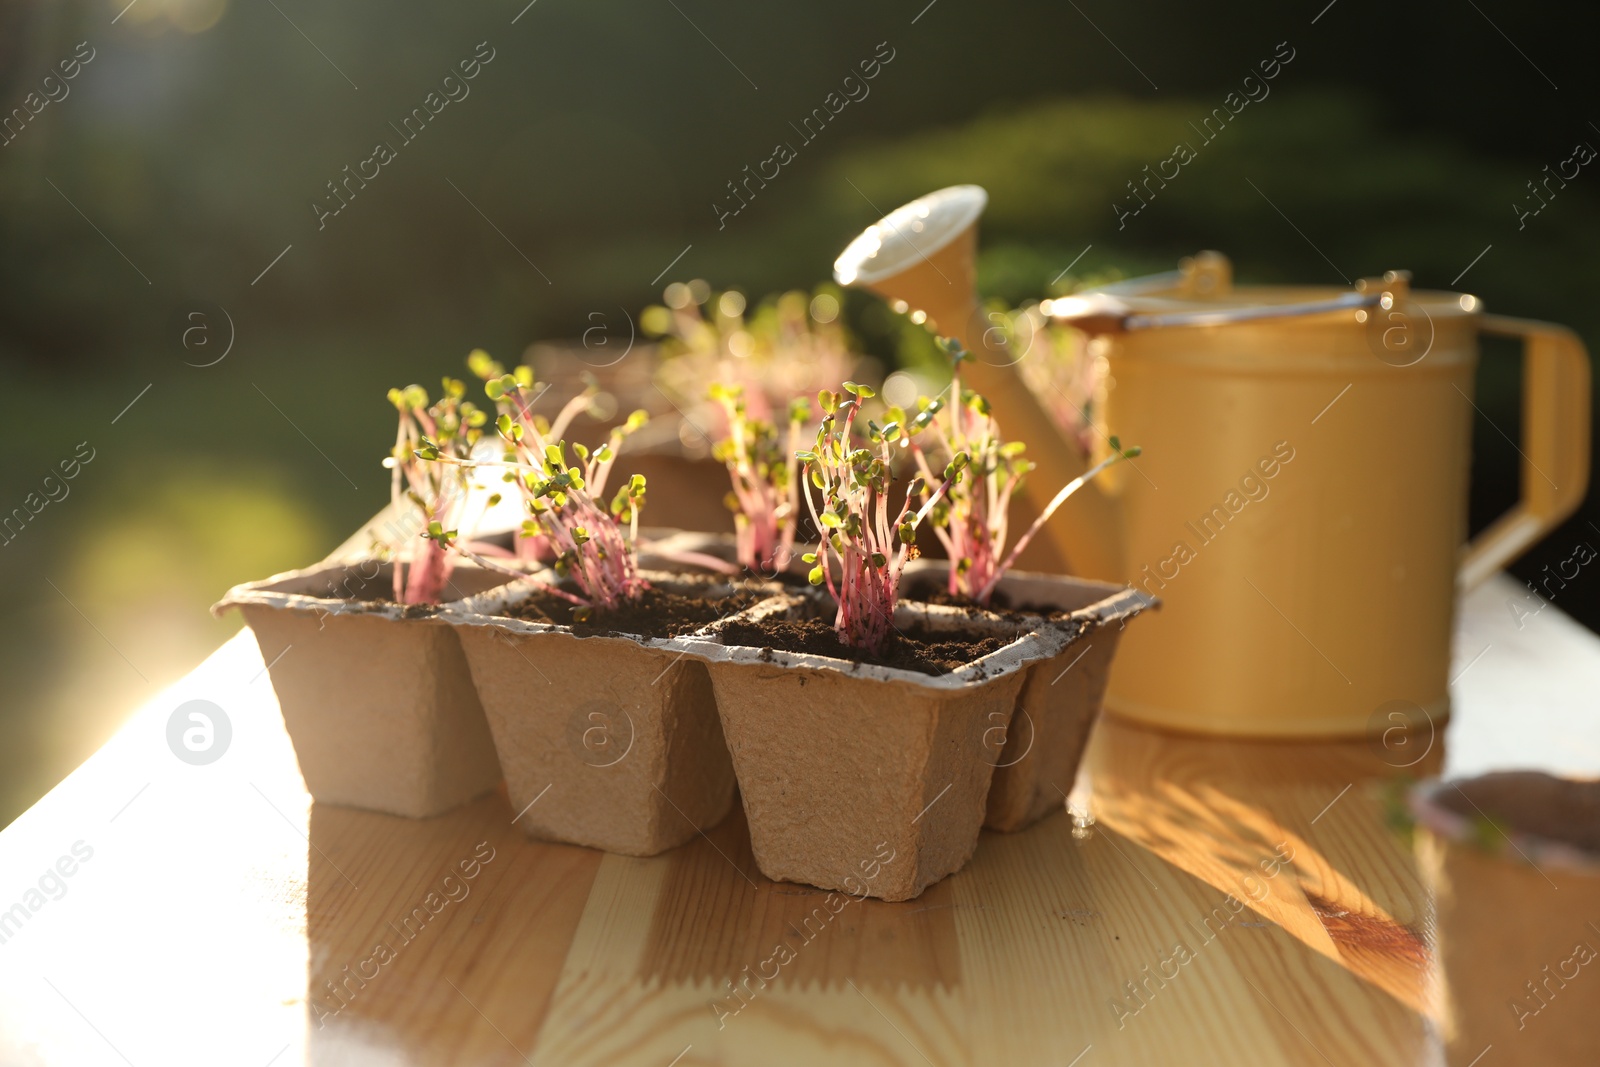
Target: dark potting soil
{"x":407,"y":611}
{"x":999,"y":603}
{"x":351,"y":585}
{"x":656,"y":613}
{"x":1556,"y":809}
{"x":915,"y":648}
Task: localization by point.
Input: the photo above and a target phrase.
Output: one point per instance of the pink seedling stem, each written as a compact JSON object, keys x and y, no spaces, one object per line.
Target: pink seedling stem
{"x":593,"y":545}
{"x":450,"y":426}
{"x":987,"y":589}
{"x":765,"y":499}
{"x":972,"y":522}
{"x":869,"y":547}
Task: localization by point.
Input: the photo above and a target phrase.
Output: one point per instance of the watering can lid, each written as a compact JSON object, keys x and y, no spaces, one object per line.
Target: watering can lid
{"x":1200,"y":293}
{"x":909,"y":233}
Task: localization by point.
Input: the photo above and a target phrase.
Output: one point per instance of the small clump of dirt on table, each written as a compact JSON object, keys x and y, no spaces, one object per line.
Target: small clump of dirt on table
{"x":656,"y":613}
{"x":915,"y":648}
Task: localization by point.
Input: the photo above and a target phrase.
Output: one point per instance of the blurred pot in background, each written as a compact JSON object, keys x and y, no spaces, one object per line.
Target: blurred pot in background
{"x":1514,"y":862}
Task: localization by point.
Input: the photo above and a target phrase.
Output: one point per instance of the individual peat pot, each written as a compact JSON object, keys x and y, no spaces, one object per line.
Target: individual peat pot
{"x":376,"y":697}
{"x":1514,"y":862}
{"x":1061,"y":698}
{"x":606,"y":739}
{"x":1041,"y":745}
{"x":866,"y":779}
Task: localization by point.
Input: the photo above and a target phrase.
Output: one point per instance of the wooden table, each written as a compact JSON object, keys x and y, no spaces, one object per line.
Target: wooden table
{"x":217,"y":906}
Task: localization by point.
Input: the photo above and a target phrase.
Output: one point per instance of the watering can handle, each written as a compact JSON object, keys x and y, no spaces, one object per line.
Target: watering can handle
{"x":1555,"y":444}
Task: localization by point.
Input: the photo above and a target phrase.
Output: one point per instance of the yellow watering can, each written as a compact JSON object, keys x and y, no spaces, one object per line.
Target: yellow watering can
{"x":1300,"y":506}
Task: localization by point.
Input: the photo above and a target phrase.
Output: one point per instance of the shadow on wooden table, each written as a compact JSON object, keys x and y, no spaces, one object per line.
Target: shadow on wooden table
{"x":1295,"y":830}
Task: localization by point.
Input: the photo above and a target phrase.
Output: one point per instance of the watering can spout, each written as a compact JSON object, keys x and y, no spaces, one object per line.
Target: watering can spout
{"x":922,"y":257}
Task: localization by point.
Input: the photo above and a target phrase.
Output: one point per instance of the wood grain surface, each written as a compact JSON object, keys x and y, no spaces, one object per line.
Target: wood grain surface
{"x":1214,"y":902}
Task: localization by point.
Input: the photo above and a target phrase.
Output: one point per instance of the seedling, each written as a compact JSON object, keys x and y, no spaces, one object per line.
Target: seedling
{"x":594,"y":544}
{"x":971,"y":521}
{"x":763,"y":465}
{"x":450,"y":426}
{"x":862,"y":534}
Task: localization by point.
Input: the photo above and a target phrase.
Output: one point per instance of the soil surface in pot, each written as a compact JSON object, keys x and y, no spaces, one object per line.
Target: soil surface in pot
{"x":407,"y":611}
{"x":1556,"y":809}
{"x":786,"y":578}
{"x":656,"y":613}
{"x":915,"y":648}
{"x":999,"y":604}
{"x":374,"y":593}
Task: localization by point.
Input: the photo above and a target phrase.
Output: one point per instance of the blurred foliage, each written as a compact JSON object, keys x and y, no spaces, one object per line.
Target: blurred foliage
{"x":190,"y":149}
{"x":1054,"y":170}
{"x":186,"y":537}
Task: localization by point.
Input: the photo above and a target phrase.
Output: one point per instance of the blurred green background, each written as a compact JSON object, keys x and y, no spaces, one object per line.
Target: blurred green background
{"x":187,"y":152}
